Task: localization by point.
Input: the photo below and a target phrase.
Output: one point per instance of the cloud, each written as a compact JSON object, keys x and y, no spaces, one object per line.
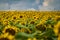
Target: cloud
{"x":50,"y":5}
{"x":4,"y":6}
{"x":37,"y":1}
{"x":45,"y":3}
{"x":22,"y":5}
{"x":17,"y":6}
{"x":31,"y":9}
{"x":30,"y":4}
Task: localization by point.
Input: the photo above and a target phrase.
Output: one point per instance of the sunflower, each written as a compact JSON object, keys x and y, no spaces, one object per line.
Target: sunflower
{"x":29,"y":39}
{"x":32,"y":22}
{"x":14,"y":17}
{"x":59,"y":37}
{"x":5,"y":22}
{"x":36,"y":17}
{"x":40,"y":27}
{"x":4,"y":36}
{"x":43,"y":20}
{"x":57,"y":18}
{"x":23,"y":23}
{"x":1,"y":19}
{"x":57,"y":28}
{"x":22,"y":17}
{"x":25,"y":30}
{"x":11,"y":30}
{"x":11,"y":37}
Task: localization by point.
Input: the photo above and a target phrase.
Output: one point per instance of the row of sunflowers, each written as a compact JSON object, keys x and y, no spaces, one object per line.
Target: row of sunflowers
{"x":29,"y":25}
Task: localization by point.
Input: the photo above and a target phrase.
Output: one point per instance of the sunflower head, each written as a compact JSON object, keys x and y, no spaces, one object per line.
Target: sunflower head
{"x":25,"y":30}
{"x":41,"y":27}
{"x":11,"y":30}
{"x":57,"y":28}
{"x":4,"y":36}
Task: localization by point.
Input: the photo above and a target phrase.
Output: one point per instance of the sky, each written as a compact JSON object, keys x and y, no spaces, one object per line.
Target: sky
{"x":29,"y":4}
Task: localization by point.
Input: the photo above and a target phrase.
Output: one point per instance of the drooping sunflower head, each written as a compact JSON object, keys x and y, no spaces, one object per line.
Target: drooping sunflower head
{"x":40,"y":27}
{"x":11,"y":30}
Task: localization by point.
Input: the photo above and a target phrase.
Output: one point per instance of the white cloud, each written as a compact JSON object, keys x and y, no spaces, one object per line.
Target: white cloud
{"x":49,"y":5}
{"x":46,"y":8}
{"x":31,"y":9}
{"x":45,"y":3}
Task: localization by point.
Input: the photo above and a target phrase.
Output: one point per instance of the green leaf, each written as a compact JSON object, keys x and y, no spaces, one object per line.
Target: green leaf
{"x":21,"y":35}
{"x":11,"y":23}
{"x":21,"y":26}
{"x":1,"y":28}
{"x":48,"y":33}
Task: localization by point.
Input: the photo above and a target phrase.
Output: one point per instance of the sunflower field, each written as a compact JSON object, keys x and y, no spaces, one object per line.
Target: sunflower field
{"x":29,"y":25}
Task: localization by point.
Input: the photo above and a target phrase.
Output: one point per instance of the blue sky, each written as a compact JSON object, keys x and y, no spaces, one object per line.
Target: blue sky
{"x":29,"y":4}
